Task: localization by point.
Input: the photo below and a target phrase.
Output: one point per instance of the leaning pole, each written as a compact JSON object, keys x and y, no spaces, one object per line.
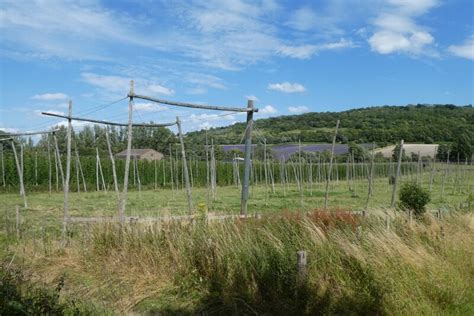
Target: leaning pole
{"x":247,"y":161}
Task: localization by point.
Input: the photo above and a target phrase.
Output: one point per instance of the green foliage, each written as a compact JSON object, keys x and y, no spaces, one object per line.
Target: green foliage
{"x":19,"y":297}
{"x":413,"y":197}
{"x":383,"y":125}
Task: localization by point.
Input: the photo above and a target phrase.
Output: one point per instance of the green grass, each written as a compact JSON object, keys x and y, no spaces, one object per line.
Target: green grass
{"x":248,"y":267}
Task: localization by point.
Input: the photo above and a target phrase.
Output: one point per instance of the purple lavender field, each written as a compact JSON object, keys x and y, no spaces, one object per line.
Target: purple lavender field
{"x":285,"y":151}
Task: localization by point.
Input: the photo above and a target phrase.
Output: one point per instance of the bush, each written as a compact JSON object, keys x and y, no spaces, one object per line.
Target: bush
{"x":413,"y":197}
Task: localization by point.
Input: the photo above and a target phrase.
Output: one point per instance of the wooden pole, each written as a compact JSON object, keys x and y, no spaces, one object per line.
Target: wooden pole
{"x":22,"y":168}
{"x":397,"y":174}
{"x":185,"y":166}
{"x":247,"y":162}
{"x":20,"y":176}
{"x":328,"y":178}
{"x":97,"y":181}
{"x":370,"y":176}
{"x":112,"y":160}
{"x":433,"y":168}
{"x":68,"y":171}
{"x":49,"y":166}
{"x":36,"y":168}
{"x":58,"y":158}
{"x":3,"y":165}
{"x":80,"y":169}
{"x":207,"y":172}
{"x":265,"y":167}
{"x":123,"y":201}
{"x":445,"y":176}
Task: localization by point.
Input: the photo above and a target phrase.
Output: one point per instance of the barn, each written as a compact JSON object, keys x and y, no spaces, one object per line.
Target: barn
{"x":141,"y":154}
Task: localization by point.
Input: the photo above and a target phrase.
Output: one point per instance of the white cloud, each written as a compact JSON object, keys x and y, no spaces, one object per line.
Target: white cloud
{"x":268,"y":109}
{"x":303,"y":19}
{"x":157,"y":89}
{"x":209,"y":33}
{"x":150,"y":107}
{"x":117,"y":84}
{"x":387,"y":42}
{"x":287,"y":87}
{"x":50,"y":96}
{"x":251,"y":97}
{"x":465,"y":50}
{"x":298,"y":109}
{"x":396,"y":30}
{"x":307,"y":51}
{"x":196,"y":118}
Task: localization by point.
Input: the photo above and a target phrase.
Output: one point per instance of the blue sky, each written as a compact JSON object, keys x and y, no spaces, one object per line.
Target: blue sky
{"x":290,"y":56}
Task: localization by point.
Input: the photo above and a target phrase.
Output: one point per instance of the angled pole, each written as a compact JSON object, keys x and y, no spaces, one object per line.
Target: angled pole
{"x":68,"y":171}
{"x":394,"y":189}
{"x":185,"y":167}
{"x":3,"y":165}
{"x":328,"y":178}
{"x":123,"y":200}
{"x":112,"y":160}
{"x":247,"y":162}
{"x":20,"y":176}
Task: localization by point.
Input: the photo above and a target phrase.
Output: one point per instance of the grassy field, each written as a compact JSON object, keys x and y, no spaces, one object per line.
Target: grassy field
{"x":355,"y":265}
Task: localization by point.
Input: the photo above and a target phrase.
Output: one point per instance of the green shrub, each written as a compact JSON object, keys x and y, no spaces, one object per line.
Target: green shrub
{"x":414,"y":198}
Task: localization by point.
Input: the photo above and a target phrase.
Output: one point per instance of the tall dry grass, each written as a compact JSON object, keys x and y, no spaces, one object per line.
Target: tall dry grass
{"x":249,"y":267}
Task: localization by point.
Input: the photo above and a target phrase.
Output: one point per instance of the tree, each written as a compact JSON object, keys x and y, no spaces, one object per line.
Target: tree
{"x":396,"y":153}
{"x":358,"y":152}
{"x":414,"y":198}
{"x":462,"y":146}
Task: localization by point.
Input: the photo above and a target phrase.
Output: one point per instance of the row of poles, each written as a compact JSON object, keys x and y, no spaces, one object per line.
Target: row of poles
{"x":122,"y":196}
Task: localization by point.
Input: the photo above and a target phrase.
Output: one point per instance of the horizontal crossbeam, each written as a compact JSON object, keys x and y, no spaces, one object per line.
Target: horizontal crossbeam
{"x":107,"y":122}
{"x":192,"y":105}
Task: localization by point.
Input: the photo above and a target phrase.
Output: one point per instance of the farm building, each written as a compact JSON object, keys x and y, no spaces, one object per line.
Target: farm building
{"x":425,"y":150}
{"x":141,"y":154}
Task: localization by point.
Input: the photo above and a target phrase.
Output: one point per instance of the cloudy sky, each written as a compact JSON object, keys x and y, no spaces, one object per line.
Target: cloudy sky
{"x":289,"y":56}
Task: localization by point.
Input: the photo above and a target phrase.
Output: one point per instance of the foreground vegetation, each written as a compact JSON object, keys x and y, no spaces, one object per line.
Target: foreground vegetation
{"x":379,"y":264}
{"x":355,"y":265}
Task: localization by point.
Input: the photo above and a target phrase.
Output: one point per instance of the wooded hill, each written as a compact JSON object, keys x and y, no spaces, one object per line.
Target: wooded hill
{"x":383,"y":125}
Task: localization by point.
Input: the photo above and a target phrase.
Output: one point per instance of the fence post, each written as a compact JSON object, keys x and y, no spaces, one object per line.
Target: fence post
{"x":68,"y":171}
{"x":185,"y":166}
{"x":328,"y":178}
{"x":247,"y":162}
{"x":123,"y":199}
{"x":301,"y":264}
{"x":394,"y":189}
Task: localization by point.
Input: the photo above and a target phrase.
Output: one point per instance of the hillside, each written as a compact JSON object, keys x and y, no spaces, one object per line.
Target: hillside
{"x":383,"y":125}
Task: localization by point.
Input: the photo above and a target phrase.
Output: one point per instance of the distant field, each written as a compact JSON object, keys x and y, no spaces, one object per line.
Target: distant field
{"x":356,"y":265}
{"x":424,"y":150}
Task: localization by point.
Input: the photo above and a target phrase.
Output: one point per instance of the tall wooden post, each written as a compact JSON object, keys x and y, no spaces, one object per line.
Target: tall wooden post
{"x":3,"y":165}
{"x":68,"y":171}
{"x":36,"y":168}
{"x":58,"y":158}
{"x":22,"y":168}
{"x":328,"y":178}
{"x":397,"y":174}
{"x":112,"y":160}
{"x":49,"y":166}
{"x":247,"y":162}
{"x":185,"y":168}
{"x":370,"y":176}
{"x":20,"y":176}
{"x":80,"y":168}
{"x":123,"y":200}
